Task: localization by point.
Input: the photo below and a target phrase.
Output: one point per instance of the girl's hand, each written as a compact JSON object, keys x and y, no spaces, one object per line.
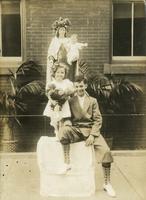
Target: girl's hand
{"x":60,"y":92}
{"x":57,"y":108}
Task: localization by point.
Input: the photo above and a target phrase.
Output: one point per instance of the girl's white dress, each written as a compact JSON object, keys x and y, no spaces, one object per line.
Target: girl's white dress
{"x":65,"y":112}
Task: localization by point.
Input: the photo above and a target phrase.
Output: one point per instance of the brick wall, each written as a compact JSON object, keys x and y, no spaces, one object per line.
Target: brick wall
{"x":90,"y":20}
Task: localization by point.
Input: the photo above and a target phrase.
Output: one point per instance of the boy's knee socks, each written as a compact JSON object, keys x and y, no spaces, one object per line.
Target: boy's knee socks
{"x":106,"y":171}
{"x":66,"y":149}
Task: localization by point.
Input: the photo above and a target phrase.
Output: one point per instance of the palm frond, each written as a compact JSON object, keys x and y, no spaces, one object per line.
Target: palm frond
{"x":20,"y":106}
{"x":27,"y":72}
{"x":118,"y":95}
{"x":13,"y":87}
{"x":125,"y":89}
{"x":32,"y":97}
{"x":83,"y":67}
{"x":18,"y":122}
{"x":35,"y":88}
{"x":11,"y":73}
{"x":26,"y":66}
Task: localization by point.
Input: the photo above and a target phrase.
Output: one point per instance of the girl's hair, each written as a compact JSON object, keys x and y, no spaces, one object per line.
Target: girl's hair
{"x":58,"y":65}
{"x":57,"y":32}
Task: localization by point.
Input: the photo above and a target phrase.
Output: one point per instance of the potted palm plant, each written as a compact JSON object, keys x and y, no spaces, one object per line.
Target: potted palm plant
{"x":8,"y":112}
{"x":115,"y":97}
{"x":27,"y":92}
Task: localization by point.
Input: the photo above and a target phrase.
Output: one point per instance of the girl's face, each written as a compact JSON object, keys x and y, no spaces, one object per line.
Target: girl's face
{"x":62,"y":32}
{"x":60,"y":74}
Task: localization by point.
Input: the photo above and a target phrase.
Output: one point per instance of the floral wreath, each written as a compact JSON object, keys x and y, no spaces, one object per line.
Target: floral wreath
{"x":61,"y":23}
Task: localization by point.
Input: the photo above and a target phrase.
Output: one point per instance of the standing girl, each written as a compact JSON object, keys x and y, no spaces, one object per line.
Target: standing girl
{"x":59,"y":91}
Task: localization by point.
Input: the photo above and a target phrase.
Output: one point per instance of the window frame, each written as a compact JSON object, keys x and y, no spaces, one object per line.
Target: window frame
{"x":132,"y":57}
{"x":14,"y":59}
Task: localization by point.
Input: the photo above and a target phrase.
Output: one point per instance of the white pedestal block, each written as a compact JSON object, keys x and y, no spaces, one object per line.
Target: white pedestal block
{"x":79,"y":181}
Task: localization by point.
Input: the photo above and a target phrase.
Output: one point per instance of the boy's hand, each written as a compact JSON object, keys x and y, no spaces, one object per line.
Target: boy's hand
{"x":90,"y":140}
{"x":67,"y":123}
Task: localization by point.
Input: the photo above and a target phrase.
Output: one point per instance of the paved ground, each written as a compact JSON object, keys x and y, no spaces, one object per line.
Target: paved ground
{"x":19,"y":177}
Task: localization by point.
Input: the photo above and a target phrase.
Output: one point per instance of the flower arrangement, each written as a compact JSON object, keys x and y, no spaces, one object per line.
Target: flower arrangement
{"x":61,"y":23}
{"x":57,"y":96}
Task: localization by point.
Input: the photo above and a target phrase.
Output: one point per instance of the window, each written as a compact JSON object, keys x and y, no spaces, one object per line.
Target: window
{"x":11,"y":28}
{"x":129,"y":29}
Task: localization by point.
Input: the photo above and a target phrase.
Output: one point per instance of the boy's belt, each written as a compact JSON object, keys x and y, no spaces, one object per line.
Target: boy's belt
{"x":84,"y":125}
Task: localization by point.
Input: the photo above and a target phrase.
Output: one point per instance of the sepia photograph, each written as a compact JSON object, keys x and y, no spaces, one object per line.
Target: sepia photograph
{"x":72,"y":99}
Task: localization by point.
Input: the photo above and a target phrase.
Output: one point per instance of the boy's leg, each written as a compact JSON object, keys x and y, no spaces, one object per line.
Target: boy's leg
{"x":67,"y":135}
{"x":104,"y":156}
{"x":70,"y":134}
{"x":107,"y":184}
{"x":66,"y":149}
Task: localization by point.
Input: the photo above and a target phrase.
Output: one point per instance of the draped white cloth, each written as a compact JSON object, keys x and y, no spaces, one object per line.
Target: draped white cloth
{"x":79,"y":181}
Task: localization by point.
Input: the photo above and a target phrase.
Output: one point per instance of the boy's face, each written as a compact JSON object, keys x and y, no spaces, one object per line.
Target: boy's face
{"x":80,"y":88}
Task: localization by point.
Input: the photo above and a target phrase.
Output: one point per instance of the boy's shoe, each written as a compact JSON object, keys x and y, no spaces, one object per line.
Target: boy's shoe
{"x":109,"y":189}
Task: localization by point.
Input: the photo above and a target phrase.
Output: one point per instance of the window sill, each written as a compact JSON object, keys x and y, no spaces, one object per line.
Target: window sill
{"x":9,"y":63}
{"x":119,"y":59}
{"x":125,"y":68}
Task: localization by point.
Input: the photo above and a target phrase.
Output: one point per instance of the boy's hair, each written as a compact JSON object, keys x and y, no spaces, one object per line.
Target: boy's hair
{"x":80,"y":78}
